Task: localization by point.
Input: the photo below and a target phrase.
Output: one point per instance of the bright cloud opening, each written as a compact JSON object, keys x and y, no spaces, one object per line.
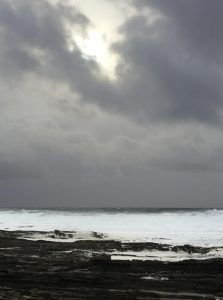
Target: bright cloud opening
{"x":95,"y":46}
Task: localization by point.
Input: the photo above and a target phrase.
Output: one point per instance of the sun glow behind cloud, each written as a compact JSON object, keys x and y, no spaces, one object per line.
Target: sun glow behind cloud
{"x":95,"y":46}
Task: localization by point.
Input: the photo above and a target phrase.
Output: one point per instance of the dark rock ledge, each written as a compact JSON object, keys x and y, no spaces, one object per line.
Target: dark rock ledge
{"x":84,"y":270}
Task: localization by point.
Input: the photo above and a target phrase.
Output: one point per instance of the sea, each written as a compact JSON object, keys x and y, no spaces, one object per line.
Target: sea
{"x":196,"y":227}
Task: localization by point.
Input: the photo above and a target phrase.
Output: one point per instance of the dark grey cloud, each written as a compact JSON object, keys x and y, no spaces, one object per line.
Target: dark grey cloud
{"x":69,"y":135}
{"x":198,"y":23}
{"x":174,"y":61}
{"x":16,"y":170}
{"x":165,"y":72}
{"x":35,"y":35}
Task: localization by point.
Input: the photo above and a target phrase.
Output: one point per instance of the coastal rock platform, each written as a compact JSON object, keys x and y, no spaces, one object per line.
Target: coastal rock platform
{"x":86,"y":269}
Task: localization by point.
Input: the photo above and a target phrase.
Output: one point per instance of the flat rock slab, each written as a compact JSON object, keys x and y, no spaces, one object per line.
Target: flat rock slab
{"x":84,"y":270}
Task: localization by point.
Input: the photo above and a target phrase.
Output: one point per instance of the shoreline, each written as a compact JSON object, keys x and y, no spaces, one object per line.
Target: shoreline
{"x":84,"y":269}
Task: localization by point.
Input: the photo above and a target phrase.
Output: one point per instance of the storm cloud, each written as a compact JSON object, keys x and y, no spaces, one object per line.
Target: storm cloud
{"x":72,"y":135}
{"x":174,"y":55}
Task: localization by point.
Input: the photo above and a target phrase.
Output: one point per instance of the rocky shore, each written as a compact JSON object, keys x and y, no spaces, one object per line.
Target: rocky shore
{"x":83,"y":269}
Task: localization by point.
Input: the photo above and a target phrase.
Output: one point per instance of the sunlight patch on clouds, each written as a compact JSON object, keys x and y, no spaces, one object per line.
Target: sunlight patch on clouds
{"x":95,"y":46}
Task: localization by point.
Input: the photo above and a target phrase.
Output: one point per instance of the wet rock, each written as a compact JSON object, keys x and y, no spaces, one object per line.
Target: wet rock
{"x":97,"y":235}
{"x":191,"y":249}
{"x":84,"y":270}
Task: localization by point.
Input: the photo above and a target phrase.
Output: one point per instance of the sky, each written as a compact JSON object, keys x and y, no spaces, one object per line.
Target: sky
{"x":111,"y":103}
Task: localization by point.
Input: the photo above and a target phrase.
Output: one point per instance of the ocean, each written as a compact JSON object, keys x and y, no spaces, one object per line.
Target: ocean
{"x":196,"y":227}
